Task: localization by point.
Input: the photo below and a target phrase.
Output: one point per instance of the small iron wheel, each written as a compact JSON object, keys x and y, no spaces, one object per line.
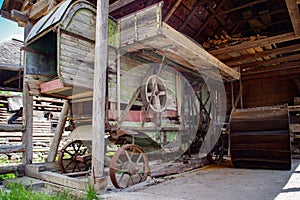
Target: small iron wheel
{"x":154,"y":93}
{"x":129,"y":166}
{"x":74,"y":157}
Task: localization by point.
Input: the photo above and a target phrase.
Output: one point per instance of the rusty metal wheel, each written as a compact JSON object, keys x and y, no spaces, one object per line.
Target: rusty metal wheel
{"x":154,"y":93}
{"x":74,"y":157}
{"x":129,"y":166}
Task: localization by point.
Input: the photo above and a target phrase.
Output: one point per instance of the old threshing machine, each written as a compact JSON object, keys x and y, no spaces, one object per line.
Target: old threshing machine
{"x":162,"y":88}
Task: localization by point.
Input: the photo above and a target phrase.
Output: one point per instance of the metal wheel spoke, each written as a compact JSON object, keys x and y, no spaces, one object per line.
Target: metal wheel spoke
{"x":84,"y":151}
{"x":129,"y":159}
{"x":78,"y":148}
{"x":132,"y":179}
{"x":121,"y":178}
{"x":139,"y":158}
{"x":71,"y":154}
{"x":74,"y":168}
{"x":69,"y":164}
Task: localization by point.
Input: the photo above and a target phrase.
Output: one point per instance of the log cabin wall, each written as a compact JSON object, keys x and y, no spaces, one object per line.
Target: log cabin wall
{"x":265,"y":91}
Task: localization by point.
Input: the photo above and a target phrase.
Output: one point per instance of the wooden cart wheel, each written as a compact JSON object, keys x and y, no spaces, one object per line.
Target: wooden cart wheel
{"x":74,"y":157}
{"x":129,"y":166}
{"x":154,"y":93}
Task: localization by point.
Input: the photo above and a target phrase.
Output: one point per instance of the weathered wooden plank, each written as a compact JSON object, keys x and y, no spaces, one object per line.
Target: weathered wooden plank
{"x":251,"y":44}
{"x":39,"y":9}
{"x":12,"y":149}
{"x":83,"y":25}
{"x":70,"y":40}
{"x":12,"y":169}
{"x":11,"y":127}
{"x":294,"y":15}
{"x":172,"y":10}
{"x":119,"y":4}
{"x":28,"y":122}
{"x":99,"y":94}
{"x":58,"y":133}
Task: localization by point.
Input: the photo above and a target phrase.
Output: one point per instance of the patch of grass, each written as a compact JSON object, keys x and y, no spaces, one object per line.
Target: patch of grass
{"x":17,"y":191}
{"x":7,"y":176}
{"x":90,"y":192}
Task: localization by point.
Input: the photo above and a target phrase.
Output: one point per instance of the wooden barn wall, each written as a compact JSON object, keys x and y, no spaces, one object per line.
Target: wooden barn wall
{"x":265,"y":91}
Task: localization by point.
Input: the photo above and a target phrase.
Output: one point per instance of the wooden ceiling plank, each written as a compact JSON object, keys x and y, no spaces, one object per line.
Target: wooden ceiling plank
{"x":119,"y":4}
{"x":240,"y":7}
{"x":207,"y":22}
{"x":294,"y":15}
{"x":218,"y":18}
{"x":270,"y":62}
{"x":281,"y":72}
{"x":270,"y":52}
{"x":285,"y":66}
{"x":258,"y":43}
{"x":244,"y":20}
{"x":191,"y":13}
{"x":172,"y":10}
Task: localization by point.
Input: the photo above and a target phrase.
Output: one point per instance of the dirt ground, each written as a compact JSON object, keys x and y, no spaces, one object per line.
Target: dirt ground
{"x":220,"y":182}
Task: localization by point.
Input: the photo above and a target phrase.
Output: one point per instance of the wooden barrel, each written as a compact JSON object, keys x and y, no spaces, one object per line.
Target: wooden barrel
{"x":260,"y":138}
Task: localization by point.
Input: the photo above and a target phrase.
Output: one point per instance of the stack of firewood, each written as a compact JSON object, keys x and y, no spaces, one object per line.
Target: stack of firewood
{"x":225,"y":40}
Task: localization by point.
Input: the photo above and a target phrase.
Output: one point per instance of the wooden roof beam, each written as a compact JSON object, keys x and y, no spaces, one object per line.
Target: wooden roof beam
{"x":266,"y":53}
{"x":19,"y":16}
{"x":172,"y":10}
{"x":244,"y":20}
{"x":207,"y":21}
{"x":240,"y":7}
{"x":270,"y":62}
{"x":258,"y":43}
{"x":292,"y":6}
{"x":119,"y":4}
{"x":287,"y":71}
{"x":191,"y":13}
{"x":39,"y":9}
{"x":284,"y":66}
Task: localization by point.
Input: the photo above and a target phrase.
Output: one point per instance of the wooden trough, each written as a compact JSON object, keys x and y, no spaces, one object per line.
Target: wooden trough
{"x":260,"y":138}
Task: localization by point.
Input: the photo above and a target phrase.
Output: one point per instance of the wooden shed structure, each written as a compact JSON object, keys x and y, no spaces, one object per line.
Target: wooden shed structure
{"x":252,"y":47}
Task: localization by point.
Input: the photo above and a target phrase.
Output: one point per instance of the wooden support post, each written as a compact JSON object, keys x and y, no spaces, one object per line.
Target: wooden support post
{"x":241,"y":91}
{"x":178,"y":97}
{"x":28,"y":123}
{"x":232,"y":95}
{"x":27,"y":140}
{"x":59,"y":131}
{"x":99,"y":95}
{"x":118,"y":84}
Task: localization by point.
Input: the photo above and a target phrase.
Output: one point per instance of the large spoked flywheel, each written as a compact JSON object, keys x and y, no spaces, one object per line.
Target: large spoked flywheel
{"x":154,"y":93}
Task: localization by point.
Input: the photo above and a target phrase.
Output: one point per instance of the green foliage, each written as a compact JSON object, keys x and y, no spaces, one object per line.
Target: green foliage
{"x":17,"y":191}
{"x":6,"y":176}
{"x":90,"y":192}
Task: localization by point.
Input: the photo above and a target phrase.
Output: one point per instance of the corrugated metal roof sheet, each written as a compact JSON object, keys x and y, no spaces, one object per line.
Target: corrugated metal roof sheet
{"x":49,"y":20}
